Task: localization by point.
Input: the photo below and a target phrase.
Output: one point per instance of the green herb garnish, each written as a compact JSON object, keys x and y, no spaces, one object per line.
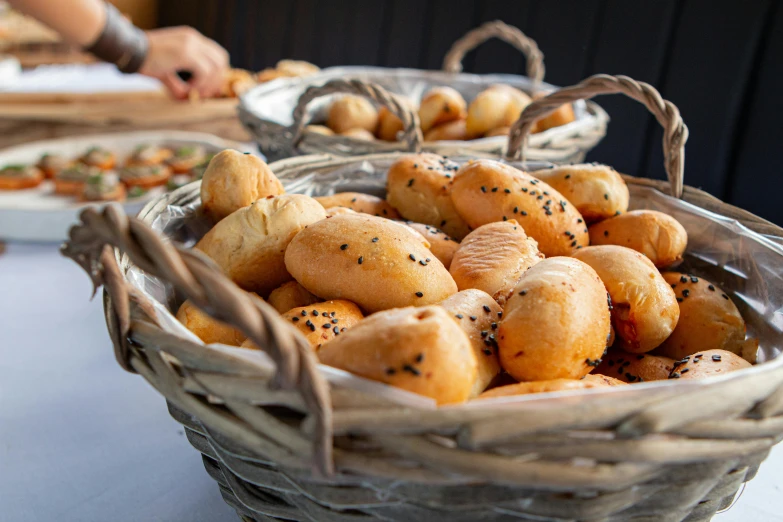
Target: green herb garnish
{"x":184,"y":151}
{"x":136,"y":192}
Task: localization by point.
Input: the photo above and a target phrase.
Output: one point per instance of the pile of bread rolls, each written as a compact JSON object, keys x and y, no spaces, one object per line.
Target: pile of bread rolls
{"x":471,"y":281}
{"x":444,"y":115}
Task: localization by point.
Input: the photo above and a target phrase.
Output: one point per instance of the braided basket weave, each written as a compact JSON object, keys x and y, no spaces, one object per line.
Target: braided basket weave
{"x":568,"y":143}
{"x":288,"y":445}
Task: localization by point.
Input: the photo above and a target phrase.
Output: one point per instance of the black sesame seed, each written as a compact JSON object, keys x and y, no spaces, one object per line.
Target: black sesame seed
{"x":725,"y":297}
{"x":711,"y":288}
{"x":568,"y":176}
{"x":483,"y":189}
{"x":487,"y":352}
{"x":548,"y":201}
{"x":686,"y":370}
{"x":524,"y":189}
{"x":360,"y":260}
{"x":335,"y":321}
{"x":473,"y":317}
{"x":639,"y":357}
{"x":343,"y":246}
{"x":487,"y":309}
{"x":343,"y":329}
{"x":494,"y":326}
{"x":505,"y":218}
{"x":312,"y":327}
{"x":413,"y":258}
{"x":533,"y":181}
{"x":428,"y":260}
{"x":411,"y":369}
{"x":679,"y":299}
{"x":683,"y":279}
{"x":419,"y":357}
{"x":332,"y":314}
{"x":694,"y":279}
{"x":295,"y":319}
{"x":568,"y":233}
{"x":353,"y":200}
{"x":573,"y":243}
{"x":326,"y":326}
{"x":484,"y":333}
{"x":375,"y":240}
{"x":674,"y":285}
{"x":507,"y":191}
{"x":686,"y":293}
{"x":315,"y":313}
{"x":579,"y":220}
{"x":523,"y":213}
{"x":391,"y":371}
{"x":494,"y":189}
{"x":422,"y":262}
{"x":716,"y":358}
{"x":540,"y":197}
{"x":675,"y":375}
{"x":500,"y":314}
{"x":304,"y":313}
{"x":606,"y":233}
{"x":443,"y":222}
{"x":459,"y":316}
{"x":630,"y":377}
{"x":419,"y":294}
{"x":606,"y":196}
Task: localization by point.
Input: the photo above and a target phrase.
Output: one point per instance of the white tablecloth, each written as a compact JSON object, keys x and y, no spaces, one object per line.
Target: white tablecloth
{"x":82,"y":440}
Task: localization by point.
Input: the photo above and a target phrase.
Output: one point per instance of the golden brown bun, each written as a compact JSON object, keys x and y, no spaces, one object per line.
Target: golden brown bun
{"x":441,"y":244}
{"x":389,"y":125}
{"x":496,"y":106}
{"x":632,"y":367}
{"x":421,"y":350}
{"x":234,"y":180}
{"x":419,"y":187}
{"x":597,"y":191}
{"x":553,"y":385}
{"x":441,"y":105}
{"x":563,"y":115}
{"x":476,"y":313}
{"x":321,"y":322}
{"x":450,"y":131}
{"x":249,"y":244}
{"x":290,"y":295}
{"x":352,"y":112}
{"x":358,"y":134}
{"x":493,"y":257}
{"x":340,"y":258}
{"x":707,"y":364}
{"x":207,"y":329}
{"x":604,"y":380}
{"x":297,"y":67}
{"x":556,"y":322}
{"x":644,"y":308}
{"x":320,"y":129}
{"x":658,"y":236}
{"x":708,"y":319}
{"x":358,"y":202}
{"x":486,"y":191}
{"x":500,"y":131}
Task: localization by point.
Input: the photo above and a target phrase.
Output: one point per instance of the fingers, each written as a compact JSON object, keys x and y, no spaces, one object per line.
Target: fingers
{"x":177,"y":87}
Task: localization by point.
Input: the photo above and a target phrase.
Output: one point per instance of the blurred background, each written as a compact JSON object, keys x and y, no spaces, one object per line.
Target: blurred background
{"x":719,"y":61}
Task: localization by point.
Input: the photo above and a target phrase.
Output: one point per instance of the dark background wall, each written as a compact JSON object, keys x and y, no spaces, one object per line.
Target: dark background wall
{"x":720,"y":61}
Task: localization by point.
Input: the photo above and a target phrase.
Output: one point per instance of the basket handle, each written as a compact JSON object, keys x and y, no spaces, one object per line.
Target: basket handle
{"x":452,"y":62}
{"x":197,"y":277}
{"x":411,"y":135}
{"x":675,"y":132}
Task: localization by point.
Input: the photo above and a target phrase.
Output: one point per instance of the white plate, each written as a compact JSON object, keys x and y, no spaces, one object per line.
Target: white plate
{"x":39,"y":215}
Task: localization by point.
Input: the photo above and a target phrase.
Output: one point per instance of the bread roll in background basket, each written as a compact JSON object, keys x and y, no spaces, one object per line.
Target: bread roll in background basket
{"x":301,"y":442}
{"x":266,"y":111}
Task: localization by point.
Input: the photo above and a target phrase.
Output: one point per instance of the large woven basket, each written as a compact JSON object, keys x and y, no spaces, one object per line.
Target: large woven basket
{"x":266,"y":111}
{"x":288,"y":445}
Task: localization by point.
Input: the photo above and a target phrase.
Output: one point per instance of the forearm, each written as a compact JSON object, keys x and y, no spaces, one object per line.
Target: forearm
{"x":79,"y":22}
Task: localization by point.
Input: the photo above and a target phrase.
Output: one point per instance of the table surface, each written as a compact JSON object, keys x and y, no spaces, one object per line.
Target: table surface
{"x":82,"y":440}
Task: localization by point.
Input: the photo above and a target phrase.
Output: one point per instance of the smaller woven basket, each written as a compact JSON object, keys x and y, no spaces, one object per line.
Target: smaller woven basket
{"x":288,"y":445}
{"x":264,"y":110}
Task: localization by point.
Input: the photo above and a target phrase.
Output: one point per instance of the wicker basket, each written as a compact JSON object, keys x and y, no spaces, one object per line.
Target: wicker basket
{"x":265,"y":109}
{"x":287,"y":445}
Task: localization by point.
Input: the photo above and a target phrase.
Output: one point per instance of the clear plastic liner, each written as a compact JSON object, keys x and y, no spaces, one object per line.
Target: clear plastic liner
{"x":747,"y":265}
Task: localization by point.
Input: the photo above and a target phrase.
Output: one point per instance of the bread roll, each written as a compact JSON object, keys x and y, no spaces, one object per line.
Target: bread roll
{"x":500,"y":131}
{"x":352,"y":112}
{"x":441,"y":245}
{"x":561,"y":116}
{"x":707,"y":364}
{"x":234,"y":180}
{"x":658,"y":236}
{"x":358,"y":134}
{"x":486,"y":191}
{"x":320,"y":129}
{"x":478,"y":314}
{"x":389,"y":125}
{"x":604,"y":380}
{"x":496,"y":106}
{"x":290,"y":295}
{"x":421,"y":350}
{"x":708,"y":319}
{"x":249,"y":245}
{"x":441,"y":105}
{"x":556,"y":322}
{"x":419,"y":187}
{"x":597,"y":191}
{"x":644,"y":308}
{"x":493,"y":257}
{"x":632,"y":367}
{"x":358,"y":202}
{"x":553,"y":385}
{"x":450,"y":131}
{"x":206,"y":328}
{"x":373,"y":262}
{"x":321,"y":322}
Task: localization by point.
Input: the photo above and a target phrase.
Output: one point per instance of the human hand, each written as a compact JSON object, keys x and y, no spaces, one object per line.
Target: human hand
{"x":174,"y":49}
